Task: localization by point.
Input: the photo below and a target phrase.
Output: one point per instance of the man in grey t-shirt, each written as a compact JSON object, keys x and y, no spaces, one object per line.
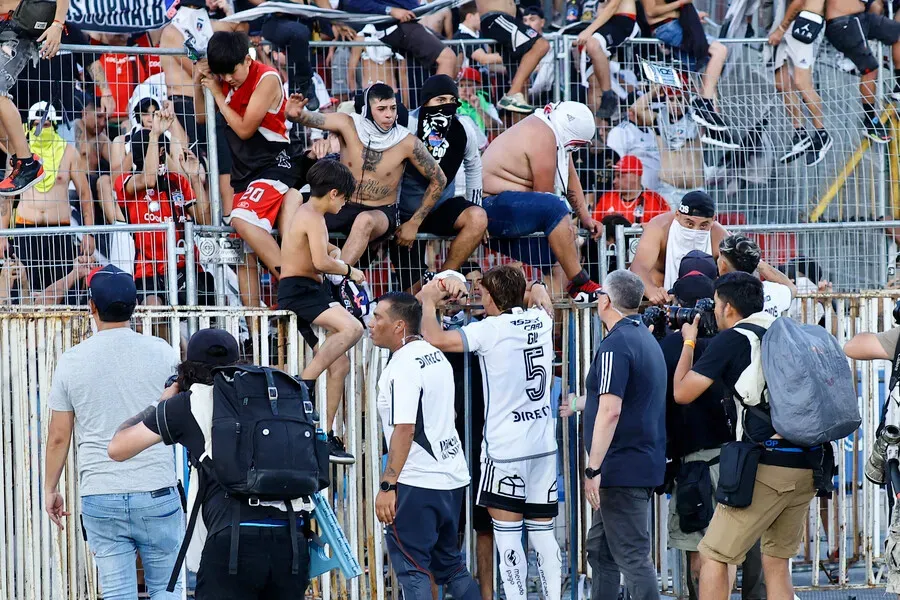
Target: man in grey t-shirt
{"x":126,"y":507}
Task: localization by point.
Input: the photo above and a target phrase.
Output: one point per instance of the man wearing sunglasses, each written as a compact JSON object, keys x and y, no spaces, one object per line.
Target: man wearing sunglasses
{"x":525,"y":168}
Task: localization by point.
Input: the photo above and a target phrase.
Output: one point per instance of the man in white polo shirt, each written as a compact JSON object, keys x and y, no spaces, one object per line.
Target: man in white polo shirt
{"x":423,"y":485}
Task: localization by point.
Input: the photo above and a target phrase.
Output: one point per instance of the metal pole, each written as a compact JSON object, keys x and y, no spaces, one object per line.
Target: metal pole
{"x":603,"y":253}
{"x":172,"y":263}
{"x":190,"y":271}
{"x":554,"y":45}
{"x":215,"y":194}
{"x":621,"y":252}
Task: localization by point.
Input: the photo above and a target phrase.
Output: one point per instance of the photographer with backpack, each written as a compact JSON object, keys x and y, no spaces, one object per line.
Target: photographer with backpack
{"x":253,"y":530}
{"x":769,"y":476}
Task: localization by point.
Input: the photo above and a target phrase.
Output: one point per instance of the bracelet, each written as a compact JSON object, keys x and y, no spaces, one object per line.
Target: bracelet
{"x":349,"y":270}
{"x":782,"y":29}
{"x":574,"y":403}
{"x":690,"y":344}
{"x":538,"y":282}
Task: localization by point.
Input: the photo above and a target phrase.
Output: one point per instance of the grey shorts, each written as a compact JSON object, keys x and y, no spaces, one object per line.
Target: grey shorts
{"x":15,"y":52}
{"x":677,"y":538}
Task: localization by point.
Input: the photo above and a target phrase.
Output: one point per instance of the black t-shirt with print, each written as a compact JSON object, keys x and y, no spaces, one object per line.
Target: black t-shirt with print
{"x":726,"y":358}
{"x":174,"y":417}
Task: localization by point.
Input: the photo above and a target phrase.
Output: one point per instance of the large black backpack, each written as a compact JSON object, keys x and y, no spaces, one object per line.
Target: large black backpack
{"x":265,"y":447}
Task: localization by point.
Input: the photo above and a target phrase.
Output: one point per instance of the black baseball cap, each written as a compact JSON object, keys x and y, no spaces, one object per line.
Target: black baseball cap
{"x":692,"y":287}
{"x":698,"y":204}
{"x":697,"y":260}
{"x":109,"y":285}
{"x":213,"y":347}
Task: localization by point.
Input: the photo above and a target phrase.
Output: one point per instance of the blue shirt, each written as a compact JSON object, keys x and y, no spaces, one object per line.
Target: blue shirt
{"x":630,"y":364}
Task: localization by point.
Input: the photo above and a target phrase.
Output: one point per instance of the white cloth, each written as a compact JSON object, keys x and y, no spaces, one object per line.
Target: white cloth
{"x":194,"y":25}
{"x":776,"y":298}
{"x":573,"y":125}
{"x":680,"y":242}
{"x":376,"y":52}
{"x":516,"y":354}
{"x":153,"y":87}
{"x":416,"y":388}
{"x":373,"y":138}
{"x":627,"y":138}
{"x":751,"y":385}
{"x":815,"y":312}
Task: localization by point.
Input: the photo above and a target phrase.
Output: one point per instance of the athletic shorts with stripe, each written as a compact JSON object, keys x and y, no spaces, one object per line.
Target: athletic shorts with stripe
{"x":527,"y":487}
{"x":259,"y":203}
{"x":513,"y":33}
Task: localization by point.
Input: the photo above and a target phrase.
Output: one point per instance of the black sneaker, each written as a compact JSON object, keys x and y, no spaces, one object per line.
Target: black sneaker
{"x":800,"y":143}
{"x":875,"y":129}
{"x":821,"y":144}
{"x":704,"y":113}
{"x":307,"y":87}
{"x":609,"y":104}
{"x":337,"y":452}
{"x":722,"y":139}
{"x":23,"y":176}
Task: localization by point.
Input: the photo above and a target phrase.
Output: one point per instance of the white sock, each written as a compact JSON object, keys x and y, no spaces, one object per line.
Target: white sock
{"x":549,"y":559}
{"x":513,"y":565}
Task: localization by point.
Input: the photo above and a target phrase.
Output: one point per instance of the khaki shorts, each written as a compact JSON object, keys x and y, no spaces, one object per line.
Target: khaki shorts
{"x":776,"y":515}
{"x":678,"y":539}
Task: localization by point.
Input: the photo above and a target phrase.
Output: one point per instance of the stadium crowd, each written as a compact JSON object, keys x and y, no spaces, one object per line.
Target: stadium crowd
{"x":407,"y":135}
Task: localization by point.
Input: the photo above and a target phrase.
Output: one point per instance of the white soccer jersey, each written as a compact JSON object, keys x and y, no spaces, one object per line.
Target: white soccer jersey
{"x":627,"y":138}
{"x":516,"y":353}
{"x":777,"y":298}
{"x":417,"y":388}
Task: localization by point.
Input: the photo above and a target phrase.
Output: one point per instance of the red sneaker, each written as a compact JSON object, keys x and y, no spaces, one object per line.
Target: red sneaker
{"x":584,"y":293}
{"x":22,"y":177}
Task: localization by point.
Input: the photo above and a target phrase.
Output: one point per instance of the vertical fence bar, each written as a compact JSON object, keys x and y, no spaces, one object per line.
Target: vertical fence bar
{"x":215,"y":194}
{"x":190,"y":273}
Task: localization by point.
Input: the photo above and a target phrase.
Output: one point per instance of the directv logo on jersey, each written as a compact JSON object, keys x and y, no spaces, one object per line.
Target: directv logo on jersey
{"x":530,"y":415}
{"x":429,"y":359}
{"x":449,"y":448}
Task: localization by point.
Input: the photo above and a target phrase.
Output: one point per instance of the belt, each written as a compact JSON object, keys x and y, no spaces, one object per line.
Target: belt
{"x":661,"y":23}
{"x":781,"y":453}
{"x":165,"y":491}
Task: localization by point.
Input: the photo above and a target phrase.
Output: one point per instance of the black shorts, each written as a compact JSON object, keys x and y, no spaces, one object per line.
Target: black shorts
{"x":849,"y":34}
{"x":416,"y":40}
{"x":156,"y":285}
{"x":306,"y":298}
{"x":512,"y":32}
{"x":616,"y":31}
{"x":442,"y":219}
{"x":343,"y":221}
{"x":46,"y":258}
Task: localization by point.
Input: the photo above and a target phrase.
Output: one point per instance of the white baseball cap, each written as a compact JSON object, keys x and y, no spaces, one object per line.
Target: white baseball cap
{"x":36,"y":112}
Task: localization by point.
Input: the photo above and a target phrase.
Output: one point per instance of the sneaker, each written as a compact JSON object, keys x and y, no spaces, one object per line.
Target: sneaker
{"x":337,"y":452}
{"x":584,"y":293}
{"x":895,"y":94}
{"x":515,"y":103}
{"x":704,"y":113}
{"x":875,"y":129}
{"x":800,"y":143}
{"x":22,"y":177}
{"x":821,"y":144}
{"x":609,"y":104}
{"x":307,"y":87}
{"x":722,"y":139}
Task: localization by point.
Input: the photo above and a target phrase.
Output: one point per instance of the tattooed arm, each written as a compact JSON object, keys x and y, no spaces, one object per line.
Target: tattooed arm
{"x":133,"y":437}
{"x":401,"y":443}
{"x":575,"y":196}
{"x":437,"y":181}
{"x":296,"y":112}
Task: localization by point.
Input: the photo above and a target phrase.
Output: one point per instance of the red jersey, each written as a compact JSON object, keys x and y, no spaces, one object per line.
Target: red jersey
{"x":640,"y":210}
{"x":154,"y":206}
{"x":266,"y":155}
{"x":124,"y":72}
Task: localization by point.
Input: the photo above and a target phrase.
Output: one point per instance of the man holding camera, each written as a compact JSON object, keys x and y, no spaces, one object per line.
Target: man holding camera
{"x":625,"y":438}
{"x":775,"y":508}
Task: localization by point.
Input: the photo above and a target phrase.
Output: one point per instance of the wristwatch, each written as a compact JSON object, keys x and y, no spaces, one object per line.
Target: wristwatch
{"x":588,"y":472}
{"x":388,"y":487}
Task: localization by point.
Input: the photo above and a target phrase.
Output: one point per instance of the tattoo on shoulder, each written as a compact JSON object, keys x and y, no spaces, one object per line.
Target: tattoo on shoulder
{"x":138,"y":418}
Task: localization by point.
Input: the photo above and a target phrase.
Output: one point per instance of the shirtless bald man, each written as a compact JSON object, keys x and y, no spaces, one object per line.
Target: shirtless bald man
{"x":376,"y":150}
{"x":668,"y":238}
{"x":523,"y":168}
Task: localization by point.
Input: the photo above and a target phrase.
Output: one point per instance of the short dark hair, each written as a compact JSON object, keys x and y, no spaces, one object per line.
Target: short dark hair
{"x":404,"y":307}
{"x":328,"y":174}
{"x":741,"y":290}
{"x":742,"y":252}
{"x":380,"y":91}
{"x":226,"y":50}
{"x":610,"y":222}
{"x":467,"y":9}
{"x":116,"y":312}
{"x":506,"y":285}
{"x":190,"y":372}
{"x":470,"y":267}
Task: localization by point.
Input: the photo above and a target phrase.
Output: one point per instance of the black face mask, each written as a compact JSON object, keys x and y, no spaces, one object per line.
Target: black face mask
{"x":436,"y":119}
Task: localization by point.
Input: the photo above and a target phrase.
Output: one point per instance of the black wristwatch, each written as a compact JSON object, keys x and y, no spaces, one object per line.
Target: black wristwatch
{"x":388,"y":487}
{"x":591,"y":473}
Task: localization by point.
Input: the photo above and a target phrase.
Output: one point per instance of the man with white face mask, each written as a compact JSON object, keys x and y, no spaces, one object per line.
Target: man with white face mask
{"x":669,"y":237}
{"x":524,"y":170}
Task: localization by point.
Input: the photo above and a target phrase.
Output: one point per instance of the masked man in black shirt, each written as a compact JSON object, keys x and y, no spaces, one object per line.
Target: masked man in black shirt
{"x":784,"y":483}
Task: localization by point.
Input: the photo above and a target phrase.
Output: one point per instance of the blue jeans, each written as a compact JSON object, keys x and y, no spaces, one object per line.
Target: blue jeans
{"x":118,"y":525}
{"x":671,"y":34}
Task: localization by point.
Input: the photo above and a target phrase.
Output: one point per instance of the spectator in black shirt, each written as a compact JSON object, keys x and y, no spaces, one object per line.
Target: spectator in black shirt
{"x":264,"y":548}
{"x":784,"y":479}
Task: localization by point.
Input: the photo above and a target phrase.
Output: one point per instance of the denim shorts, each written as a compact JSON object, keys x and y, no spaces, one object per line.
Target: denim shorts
{"x":514,"y":214}
{"x":671,"y":34}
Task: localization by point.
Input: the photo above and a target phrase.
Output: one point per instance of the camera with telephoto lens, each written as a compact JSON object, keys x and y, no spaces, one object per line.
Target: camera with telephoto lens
{"x":676,"y":316}
{"x":884,"y":449}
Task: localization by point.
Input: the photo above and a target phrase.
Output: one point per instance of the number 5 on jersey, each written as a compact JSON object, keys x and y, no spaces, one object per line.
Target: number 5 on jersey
{"x":535,"y":374}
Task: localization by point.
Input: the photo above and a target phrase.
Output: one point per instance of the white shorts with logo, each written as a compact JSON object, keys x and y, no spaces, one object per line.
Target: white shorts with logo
{"x":799,"y":55}
{"x":527,"y":487}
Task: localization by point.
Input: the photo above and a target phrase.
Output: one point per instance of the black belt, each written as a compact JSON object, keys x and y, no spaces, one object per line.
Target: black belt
{"x":782,"y":453}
